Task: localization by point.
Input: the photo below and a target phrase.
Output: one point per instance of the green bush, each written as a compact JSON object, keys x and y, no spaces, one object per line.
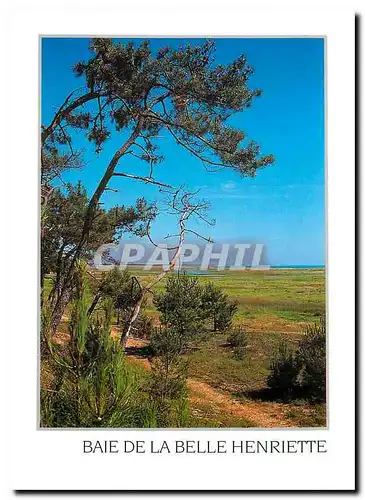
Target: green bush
{"x":167,"y":384}
{"x":143,"y":326}
{"x":301,"y":372}
{"x":166,"y":342}
{"x":284,"y":370}
{"x":193,"y":309}
{"x":90,"y":385}
{"x":224,"y":316}
{"x":217,"y":307}
{"x":180,"y":308}
{"x":168,"y":369}
{"x":237,"y":338}
{"x":312,"y":356}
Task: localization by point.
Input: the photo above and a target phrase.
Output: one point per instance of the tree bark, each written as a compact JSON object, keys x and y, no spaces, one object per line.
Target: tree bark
{"x":126,"y":332}
{"x":60,"y":307}
{"x":94,"y":304}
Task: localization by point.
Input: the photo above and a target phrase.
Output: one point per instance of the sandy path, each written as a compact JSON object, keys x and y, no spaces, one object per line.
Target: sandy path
{"x":260,"y":414}
{"x":270,"y":415}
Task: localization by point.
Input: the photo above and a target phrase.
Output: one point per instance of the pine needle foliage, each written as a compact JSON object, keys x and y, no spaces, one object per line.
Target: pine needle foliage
{"x":301,"y":372}
{"x":284,"y":370}
{"x":91,"y":384}
{"x":167,"y":385}
{"x":237,"y":339}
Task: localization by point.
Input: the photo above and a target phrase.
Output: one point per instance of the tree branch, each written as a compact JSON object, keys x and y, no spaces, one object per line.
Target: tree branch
{"x":147,"y":180}
{"x":64,"y":111}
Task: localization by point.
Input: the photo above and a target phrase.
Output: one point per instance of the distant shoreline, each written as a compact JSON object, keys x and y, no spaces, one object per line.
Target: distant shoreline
{"x":192,"y":267}
{"x":297,"y":267}
{"x":247,"y":268}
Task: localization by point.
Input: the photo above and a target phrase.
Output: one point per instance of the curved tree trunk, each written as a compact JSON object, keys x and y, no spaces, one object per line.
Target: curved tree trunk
{"x":127,"y":330}
{"x":66,"y":288}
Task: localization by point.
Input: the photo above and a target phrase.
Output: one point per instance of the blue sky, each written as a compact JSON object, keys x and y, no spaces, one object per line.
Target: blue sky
{"x":284,"y":205}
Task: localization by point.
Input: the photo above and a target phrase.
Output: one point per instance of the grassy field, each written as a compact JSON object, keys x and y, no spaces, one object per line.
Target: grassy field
{"x":281,"y":300}
{"x":273,"y":305}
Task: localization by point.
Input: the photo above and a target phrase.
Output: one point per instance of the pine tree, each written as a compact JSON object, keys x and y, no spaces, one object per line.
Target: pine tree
{"x":90,"y":384}
{"x":217,"y":307}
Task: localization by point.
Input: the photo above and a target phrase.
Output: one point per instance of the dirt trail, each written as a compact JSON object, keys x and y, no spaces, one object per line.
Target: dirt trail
{"x":271,"y":415}
{"x":260,"y":414}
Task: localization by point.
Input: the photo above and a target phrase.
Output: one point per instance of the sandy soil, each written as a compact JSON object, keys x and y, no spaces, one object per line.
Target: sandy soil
{"x":261,"y":414}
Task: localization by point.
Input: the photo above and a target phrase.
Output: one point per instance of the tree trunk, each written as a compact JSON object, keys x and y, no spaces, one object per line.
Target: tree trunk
{"x":65,"y":290}
{"x":94,"y":304}
{"x":60,"y":307}
{"x":127,"y":330}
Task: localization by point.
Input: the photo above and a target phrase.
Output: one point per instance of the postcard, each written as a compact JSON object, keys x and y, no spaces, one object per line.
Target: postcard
{"x":188,"y":300}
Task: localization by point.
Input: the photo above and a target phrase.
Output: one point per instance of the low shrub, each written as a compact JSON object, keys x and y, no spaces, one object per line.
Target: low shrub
{"x":301,"y":372}
{"x":143,"y":327}
{"x":237,"y":338}
{"x":167,"y":383}
{"x":312,"y":356}
{"x":284,"y":370}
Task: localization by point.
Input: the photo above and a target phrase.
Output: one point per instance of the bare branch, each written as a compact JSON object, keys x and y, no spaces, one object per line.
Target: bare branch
{"x":147,"y":180}
{"x":209,"y":240}
{"x":181,"y":204}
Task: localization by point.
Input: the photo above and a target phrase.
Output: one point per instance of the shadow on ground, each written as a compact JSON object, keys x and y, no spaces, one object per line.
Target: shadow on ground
{"x":140,"y":352}
{"x":296,"y":395}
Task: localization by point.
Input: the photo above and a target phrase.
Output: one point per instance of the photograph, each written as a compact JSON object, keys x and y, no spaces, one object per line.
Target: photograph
{"x":182,"y":233}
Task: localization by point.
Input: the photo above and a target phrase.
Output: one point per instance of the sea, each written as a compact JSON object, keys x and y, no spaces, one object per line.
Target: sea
{"x":299,"y":266}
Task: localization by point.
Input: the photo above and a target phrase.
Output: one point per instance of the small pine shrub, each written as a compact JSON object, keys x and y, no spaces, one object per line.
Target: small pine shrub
{"x":167,"y":342}
{"x":180,"y":308}
{"x":168,"y":369}
{"x":224,"y":316}
{"x":182,"y":411}
{"x":237,"y":338}
{"x":148,"y":414}
{"x":143,"y":327}
{"x":302,"y":372}
{"x":167,"y":384}
{"x":167,"y":380}
{"x":312,"y":356}
{"x":217,"y":308}
{"x":91,"y":385}
{"x":284,"y":370}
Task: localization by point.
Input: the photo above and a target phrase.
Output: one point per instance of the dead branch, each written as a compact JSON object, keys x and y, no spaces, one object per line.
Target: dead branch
{"x":184,"y":206}
{"x":147,"y":180}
